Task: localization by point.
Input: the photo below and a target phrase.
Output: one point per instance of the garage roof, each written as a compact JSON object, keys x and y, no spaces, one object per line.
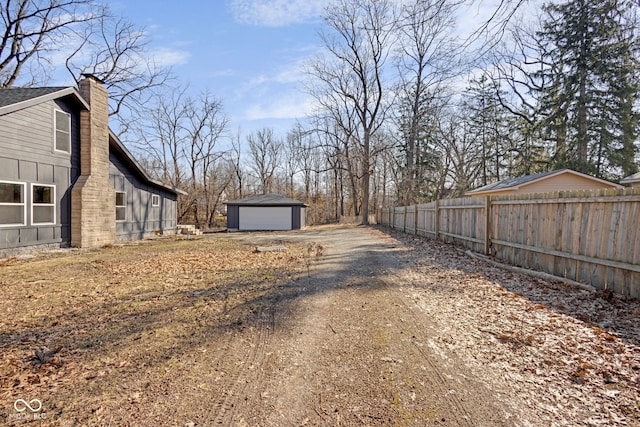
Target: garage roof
{"x":266,"y":200}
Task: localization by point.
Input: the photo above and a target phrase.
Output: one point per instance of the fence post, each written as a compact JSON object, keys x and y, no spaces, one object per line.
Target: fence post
{"x":415,"y":221}
{"x":437,"y":216}
{"x":487,"y":225}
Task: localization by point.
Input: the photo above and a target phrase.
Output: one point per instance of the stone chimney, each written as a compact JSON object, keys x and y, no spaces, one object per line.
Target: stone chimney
{"x":93,"y":199}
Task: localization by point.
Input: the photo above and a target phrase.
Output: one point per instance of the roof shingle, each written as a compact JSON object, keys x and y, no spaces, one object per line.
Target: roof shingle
{"x":266,"y":200}
{"x":10,"y":96}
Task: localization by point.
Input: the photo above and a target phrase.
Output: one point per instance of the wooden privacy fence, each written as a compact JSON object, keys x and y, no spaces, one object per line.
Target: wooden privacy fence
{"x":590,"y":237}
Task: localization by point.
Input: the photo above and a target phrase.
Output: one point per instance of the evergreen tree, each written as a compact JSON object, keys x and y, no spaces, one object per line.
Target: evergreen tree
{"x":591,"y":75}
{"x":488,"y":124}
{"x":419,"y":160}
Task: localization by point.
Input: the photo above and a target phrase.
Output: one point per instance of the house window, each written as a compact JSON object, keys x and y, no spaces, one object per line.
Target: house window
{"x":43,"y":204}
{"x":63,"y":131}
{"x":155,"y":200}
{"x":12,"y":204}
{"x":121,"y":206}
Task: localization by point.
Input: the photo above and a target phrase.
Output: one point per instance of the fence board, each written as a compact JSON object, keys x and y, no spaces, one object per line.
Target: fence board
{"x":585,"y":236}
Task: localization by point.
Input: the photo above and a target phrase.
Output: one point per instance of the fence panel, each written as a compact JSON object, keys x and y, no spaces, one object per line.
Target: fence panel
{"x":583,"y":236}
{"x":426,"y":219}
{"x":462,"y":221}
{"x":591,"y":237}
{"x":410,"y":219}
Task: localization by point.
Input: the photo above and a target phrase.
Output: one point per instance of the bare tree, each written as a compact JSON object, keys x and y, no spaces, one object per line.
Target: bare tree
{"x":204,"y":125}
{"x":426,"y":58}
{"x":221,"y":177}
{"x":118,"y":55}
{"x":265,"y":152}
{"x":160,"y":137}
{"x":236,"y":165}
{"x":462,"y":153}
{"x":352,"y":74}
{"x":179,"y":139}
{"x":32,"y":29}
{"x":294,"y":154}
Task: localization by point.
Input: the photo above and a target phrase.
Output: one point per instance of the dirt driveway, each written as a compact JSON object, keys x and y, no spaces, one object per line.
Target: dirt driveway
{"x":349,"y":326}
{"x":350,"y":348}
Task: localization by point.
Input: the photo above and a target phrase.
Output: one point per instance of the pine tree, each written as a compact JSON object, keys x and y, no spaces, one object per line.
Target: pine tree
{"x":592,"y":69}
{"x":418,"y":158}
{"x":489,"y":125}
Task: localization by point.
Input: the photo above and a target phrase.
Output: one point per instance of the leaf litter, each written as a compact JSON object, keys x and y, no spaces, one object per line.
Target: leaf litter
{"x":117,"y":336}
{"x":95,"y":334}
{"x":569,"y":356}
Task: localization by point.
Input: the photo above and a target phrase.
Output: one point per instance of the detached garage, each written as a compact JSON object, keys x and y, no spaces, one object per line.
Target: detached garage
{"x":265,"y":213}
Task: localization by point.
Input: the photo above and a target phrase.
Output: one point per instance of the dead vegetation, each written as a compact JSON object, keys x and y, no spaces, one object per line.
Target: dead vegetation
{"x":345,"y":326}
{"x":567,"y":355}
{"x":92,"y":334}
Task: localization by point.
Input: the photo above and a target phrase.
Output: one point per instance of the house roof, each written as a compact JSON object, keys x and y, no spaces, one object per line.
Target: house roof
{"x":522,"y":181}
{"x":14,"y":99}
{"x":125,"y":155}
{"x":630,"y":179}
{"x":266,"y":200}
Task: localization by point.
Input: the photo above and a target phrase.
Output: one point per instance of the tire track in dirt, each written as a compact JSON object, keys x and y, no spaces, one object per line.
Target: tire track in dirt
{"x":239,"y":372}
{"x":354,"y":350}
{"x":394,"y":309}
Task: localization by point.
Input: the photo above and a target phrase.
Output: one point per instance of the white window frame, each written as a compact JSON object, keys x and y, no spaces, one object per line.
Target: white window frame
{"x":121,"y":206}
{"x":155,"y":200}
{"x":55,"y":131}
{"x":53,"y":205}
{"x":24,"y":204}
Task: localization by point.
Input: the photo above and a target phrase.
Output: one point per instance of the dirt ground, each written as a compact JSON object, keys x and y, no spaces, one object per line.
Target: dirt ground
{"x":347,"y":326}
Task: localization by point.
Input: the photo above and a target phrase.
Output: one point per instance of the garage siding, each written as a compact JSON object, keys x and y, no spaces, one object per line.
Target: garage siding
{"x":233,"y":217}
{"x":299,"y":217}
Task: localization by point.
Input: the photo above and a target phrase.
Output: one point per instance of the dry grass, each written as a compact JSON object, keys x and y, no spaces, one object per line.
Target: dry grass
{"x":91,"y":334}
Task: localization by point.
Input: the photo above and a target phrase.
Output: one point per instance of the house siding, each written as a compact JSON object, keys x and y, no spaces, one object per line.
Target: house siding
{"x":27,"y":155}
{"x":563,"y":182}
{"x":142,"y":219}
{"x":560,"y":182}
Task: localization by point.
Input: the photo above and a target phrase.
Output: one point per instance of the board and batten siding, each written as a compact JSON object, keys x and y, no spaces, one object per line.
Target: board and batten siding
{"x":298,"y":217}
{"x":142,"y":218}
{"x":27,"y":155}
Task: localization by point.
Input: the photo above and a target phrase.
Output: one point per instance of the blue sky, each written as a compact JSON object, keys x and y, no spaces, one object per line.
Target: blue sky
{"x":248,"y":53}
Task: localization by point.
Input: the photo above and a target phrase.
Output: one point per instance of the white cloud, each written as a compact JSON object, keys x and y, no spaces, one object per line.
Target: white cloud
{"x":227,"y":72}
{"x":276,"y":13}
{"x":290,"y":106}
{"x":167,"y":57}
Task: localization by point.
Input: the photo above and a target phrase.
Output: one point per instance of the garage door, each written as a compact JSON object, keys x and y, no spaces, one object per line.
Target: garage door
{"x":259,"y":218}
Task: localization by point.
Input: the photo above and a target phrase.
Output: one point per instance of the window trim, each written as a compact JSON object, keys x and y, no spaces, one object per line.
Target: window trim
{"x":55,"y":130}
{"x":24,"y":204}
{"x":53,"y":205}
{"x":121,"y":206}
{"x":155,"y":200}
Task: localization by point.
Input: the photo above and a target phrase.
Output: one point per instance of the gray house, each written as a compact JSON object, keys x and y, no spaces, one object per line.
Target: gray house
{"x":266,"y":212}
{"x":66,"y":179}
